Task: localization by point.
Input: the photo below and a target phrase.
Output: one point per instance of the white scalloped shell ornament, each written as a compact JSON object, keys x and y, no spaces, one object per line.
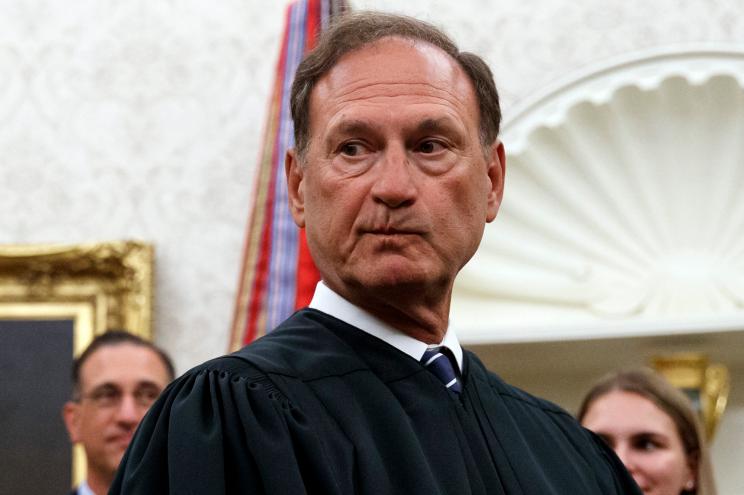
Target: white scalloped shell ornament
{"x":623,"y":210}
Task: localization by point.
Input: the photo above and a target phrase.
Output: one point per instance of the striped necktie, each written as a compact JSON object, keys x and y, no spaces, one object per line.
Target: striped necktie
{"x":438,"y":361}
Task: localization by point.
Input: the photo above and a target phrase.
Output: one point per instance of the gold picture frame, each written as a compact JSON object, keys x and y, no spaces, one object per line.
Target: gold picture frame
{"x":98,"y":286}
{"x":707,"y":384}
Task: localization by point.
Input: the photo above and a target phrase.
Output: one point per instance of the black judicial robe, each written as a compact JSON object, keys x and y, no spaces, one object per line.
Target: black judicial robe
{"x":321,"y":407}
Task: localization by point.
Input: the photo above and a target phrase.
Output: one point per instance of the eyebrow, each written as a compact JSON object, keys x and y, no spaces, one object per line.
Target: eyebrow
{"x":104,"y":385}
{"x":355,"y":126}
{"x":358,"y":126}
{"x":435,"y":125}
{"x":138,"y":385}
{"x":647,"y":434}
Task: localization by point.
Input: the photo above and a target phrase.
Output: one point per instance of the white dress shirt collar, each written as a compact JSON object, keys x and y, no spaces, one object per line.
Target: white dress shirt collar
{"x":329,"y":302}
{"x":84,"y":489}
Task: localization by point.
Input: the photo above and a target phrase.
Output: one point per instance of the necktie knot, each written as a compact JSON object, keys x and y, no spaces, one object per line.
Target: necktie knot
{"x":438,"y":360}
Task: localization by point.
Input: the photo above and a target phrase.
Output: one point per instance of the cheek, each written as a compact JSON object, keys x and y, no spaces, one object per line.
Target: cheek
{"x":97,"y":422}
{"x":667,"y":466}
{"x":92,"y":429}
{"x":463,"y":204}
{"x":334,"y":203}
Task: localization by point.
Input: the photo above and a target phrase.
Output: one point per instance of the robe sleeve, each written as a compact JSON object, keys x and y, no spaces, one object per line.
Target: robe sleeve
{"x":224,"y":428}
{"x":598,"y":455}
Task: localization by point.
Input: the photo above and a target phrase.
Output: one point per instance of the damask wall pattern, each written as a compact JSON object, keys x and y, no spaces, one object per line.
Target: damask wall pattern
{"x":139,"y":119}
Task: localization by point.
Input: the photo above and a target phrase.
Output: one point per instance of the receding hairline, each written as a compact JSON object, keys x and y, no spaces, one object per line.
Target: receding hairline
{"x":411,"y":42}
{"x":408,"y":39}
{"x":165,"y":365}
{"x":134,"y":345}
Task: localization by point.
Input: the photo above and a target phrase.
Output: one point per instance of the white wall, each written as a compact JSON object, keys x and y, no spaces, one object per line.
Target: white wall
{"x":139,"y":119}
{"x":142,"y":119}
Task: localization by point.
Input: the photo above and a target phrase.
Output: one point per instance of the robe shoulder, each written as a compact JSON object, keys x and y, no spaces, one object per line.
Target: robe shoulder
{"x":553,"y":432}
{"x":225,"y":426}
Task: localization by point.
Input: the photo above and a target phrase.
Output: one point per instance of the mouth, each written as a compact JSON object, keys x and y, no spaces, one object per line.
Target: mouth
{"x":391,"y":232}
{"x":121,"y":440}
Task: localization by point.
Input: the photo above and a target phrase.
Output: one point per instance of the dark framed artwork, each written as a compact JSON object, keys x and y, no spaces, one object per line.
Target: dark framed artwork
{"x":35,"y":361}
{"x":53,"y":300}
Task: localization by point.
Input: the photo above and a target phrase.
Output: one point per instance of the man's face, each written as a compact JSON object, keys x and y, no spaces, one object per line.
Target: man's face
{"x":118,"y":383}
{"x":395,"y":188}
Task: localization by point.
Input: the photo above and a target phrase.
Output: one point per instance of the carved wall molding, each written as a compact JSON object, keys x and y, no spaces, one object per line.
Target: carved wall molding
{"x":707,"y":384}
{"x":115,"y":279}
{"x":622,"y":204}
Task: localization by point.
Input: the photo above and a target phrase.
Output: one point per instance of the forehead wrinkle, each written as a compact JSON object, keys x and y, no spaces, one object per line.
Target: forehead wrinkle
{"x":345,"y":124}
{"x":450,"y":110}
{"x":361,"y":90}
{"x":362,"y":79}
{"x":433,"y":69}
{"x":355,"y":126}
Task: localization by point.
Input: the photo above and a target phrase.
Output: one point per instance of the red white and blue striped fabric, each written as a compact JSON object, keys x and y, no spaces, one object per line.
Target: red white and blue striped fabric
{"x":278,"y":275}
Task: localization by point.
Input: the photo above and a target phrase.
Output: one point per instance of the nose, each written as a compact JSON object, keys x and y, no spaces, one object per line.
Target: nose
{"x":129,"y":411}
{"x":394,"y":183}
{"x":626,"y":456}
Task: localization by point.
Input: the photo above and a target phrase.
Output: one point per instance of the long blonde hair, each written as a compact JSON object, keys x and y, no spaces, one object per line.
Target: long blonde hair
{"x":654,"y":387}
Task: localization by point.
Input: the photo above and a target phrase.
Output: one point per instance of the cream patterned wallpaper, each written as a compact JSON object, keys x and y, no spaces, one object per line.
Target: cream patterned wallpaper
{"x":143,"y":118}
{"x":139,"y":119}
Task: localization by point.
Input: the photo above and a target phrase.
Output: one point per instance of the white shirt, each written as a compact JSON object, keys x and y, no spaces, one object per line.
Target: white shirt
{"x":84,"y":489}
{"x":329,"y":302}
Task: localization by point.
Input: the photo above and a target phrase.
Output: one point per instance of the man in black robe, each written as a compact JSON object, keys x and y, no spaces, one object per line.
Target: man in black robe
{"x":397,"y":168}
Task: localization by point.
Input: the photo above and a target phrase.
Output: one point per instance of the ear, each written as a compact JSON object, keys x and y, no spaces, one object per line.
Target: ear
{"x":496,"y":172}
{"x":295,"y":187}
{"x":71,"y":417}
{"x":692,"y":470}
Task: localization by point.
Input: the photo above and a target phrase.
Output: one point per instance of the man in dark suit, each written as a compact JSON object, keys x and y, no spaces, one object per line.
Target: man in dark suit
{"x":116,"y":379}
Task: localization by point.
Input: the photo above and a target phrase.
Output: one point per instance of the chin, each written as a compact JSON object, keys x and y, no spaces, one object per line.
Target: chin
{"x":395,"y":281}
{"x":391,"y":275}
{"x":114,"y":458}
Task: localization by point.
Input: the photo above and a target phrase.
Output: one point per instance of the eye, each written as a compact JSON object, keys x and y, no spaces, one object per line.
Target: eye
{"x":429,"y":146}
{"x":352,"y":149}
{"x":646,"y":444}
{"x":146,"y":395}
{"x":105,"y":396}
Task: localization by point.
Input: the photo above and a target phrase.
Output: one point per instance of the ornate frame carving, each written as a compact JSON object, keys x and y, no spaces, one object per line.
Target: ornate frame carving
{"x":109,"y":284}
{"x":96,"y":285}
{"x":707,"y":384}
{"x":592,"y":235}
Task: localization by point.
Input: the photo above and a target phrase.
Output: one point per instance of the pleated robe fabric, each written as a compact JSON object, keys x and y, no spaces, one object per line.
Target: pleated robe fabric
{"x":320,"y":407}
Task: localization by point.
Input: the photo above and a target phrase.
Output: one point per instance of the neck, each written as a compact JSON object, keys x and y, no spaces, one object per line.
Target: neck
{"x":99,"y":482}
{"x":420,"y":314}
